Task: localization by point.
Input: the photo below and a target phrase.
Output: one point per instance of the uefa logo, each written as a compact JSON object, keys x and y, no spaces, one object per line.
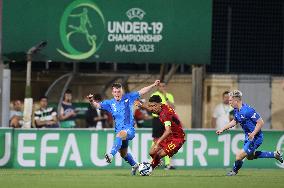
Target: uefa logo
{"x":82,"y":30}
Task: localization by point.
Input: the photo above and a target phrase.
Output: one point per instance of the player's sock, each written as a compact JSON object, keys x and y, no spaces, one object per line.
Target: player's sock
{"x":116,"y":146}
{"x":237,"y":165}
{"x":263,"y":154}
{"x":167,"y":161}
{"x":156,"y":161}
{"x":128,"y":158}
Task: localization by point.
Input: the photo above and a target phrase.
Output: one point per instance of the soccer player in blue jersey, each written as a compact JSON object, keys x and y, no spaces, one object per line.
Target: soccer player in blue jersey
{"x":251,"y":123}
{"x":121,"y":108}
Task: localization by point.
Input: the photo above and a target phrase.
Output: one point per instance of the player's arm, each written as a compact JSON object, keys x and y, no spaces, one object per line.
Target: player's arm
{"x":63,"y":116}
{"x":92,"y":101}
{"x":226,"y":127}
{"x":258,"y":126}
{"x":146,"y":89}
{"x":166,"y":133}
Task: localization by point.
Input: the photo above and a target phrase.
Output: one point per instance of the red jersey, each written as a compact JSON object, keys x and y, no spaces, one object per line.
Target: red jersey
{"x":168,"y":114}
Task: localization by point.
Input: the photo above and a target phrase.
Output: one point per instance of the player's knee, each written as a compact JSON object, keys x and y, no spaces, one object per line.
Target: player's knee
{"x":250,"y":157}
{"x":151,"y":153}
{"x":122,"y":134}
{"x":239,"y":158}
{"x":123,"y":153}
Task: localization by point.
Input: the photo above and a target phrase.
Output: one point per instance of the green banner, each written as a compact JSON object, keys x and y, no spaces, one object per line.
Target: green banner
{"x":85,"y":148}
{"x":148,"y":31}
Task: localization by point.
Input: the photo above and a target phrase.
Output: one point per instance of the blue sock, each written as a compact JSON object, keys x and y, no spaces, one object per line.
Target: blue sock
{"x":264,"y":154}
{"x":128,"y":158}
{"x":116,"y":146}
{"x":237,"y":165}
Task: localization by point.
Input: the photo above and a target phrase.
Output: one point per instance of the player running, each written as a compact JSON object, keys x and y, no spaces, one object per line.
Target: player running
{"x":121,"y":108}
{"x":251,"y":123}
{"x":173,"y":137}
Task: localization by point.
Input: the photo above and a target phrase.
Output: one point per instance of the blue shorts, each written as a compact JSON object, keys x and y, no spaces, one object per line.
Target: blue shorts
{"x":130,"y":136}
{"x":250,"y":146}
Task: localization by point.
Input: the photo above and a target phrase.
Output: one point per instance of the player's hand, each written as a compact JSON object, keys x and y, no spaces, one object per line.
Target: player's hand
{"x":155,"y":147}
{"x":138,"y":103}
{"x":90,"y":97}
{"x":157,"y":83}
{"x":251,"y":136}
{"x":219,"y":131}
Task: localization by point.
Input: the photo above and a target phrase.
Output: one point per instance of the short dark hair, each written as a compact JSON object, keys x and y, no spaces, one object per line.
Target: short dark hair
{"x":226,"y":93}
{"x":43,"y":97}
{"x":69,"y":91}
{"x":97,"y":97}
{"x":116,"y":85}
{"x":155,"y":98}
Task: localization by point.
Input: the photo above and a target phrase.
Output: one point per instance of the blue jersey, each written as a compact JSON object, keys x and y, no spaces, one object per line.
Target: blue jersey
{"x":122,"y":111}
{"x":247,"y":117}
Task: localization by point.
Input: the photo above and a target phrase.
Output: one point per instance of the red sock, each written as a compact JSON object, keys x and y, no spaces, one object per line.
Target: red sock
{"x":155,"y":161}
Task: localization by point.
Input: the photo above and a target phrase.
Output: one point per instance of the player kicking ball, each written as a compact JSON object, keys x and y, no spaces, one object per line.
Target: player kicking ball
{"x":173,"y":137}
{"x":251,"y":123}
{"x":121,"y":109}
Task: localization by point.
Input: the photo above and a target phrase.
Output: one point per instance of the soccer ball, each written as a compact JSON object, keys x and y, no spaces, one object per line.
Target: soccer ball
{"x":145,"y":169}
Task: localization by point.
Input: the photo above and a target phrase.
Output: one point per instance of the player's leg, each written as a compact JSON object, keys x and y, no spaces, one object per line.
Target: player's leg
{"x":157,"y":157}
{"x":168,"y":165}
{"x":128,"y":157}
{"x":247,"y":150}
{"x":167,"y":148}
{"x":267,"y":154}
{"x":124,"y":151}
{"x":122,"y":135}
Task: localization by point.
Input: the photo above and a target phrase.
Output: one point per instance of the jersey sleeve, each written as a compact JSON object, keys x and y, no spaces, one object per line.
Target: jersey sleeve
{"x":105,"y":105}
{"x":252,"y":115}
{"x":132,"y":96}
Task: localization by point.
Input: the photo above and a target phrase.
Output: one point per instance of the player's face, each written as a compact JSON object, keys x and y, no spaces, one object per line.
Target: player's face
{"x":18,"y":105}
{"x":226,"y":99}
{"x":162,"y":87}
{"x":117,"y":93}
{"x":43,"y":103}
{"x":68,"y":97}
{"x":233,"y":102}
{"x":154,"y":107}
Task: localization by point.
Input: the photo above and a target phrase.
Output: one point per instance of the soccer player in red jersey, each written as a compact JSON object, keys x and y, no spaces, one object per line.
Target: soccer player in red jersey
{"x":173,"y":137}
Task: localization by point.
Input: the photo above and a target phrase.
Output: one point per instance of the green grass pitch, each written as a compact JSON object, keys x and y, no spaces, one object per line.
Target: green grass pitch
{"x":120,"y":178}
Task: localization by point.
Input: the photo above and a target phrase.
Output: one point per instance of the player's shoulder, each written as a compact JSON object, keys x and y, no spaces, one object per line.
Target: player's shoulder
{"x":248,"y":108}
{"x":131,"y":94}
{"x":166,"y":109}
{"x":108,"y":101}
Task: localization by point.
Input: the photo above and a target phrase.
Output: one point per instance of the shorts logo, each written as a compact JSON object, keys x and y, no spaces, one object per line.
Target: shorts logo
{"x":171,"y":146}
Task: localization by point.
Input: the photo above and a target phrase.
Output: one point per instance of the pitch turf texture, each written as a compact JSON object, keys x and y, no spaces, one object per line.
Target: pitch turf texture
{"x":120,"y":178}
